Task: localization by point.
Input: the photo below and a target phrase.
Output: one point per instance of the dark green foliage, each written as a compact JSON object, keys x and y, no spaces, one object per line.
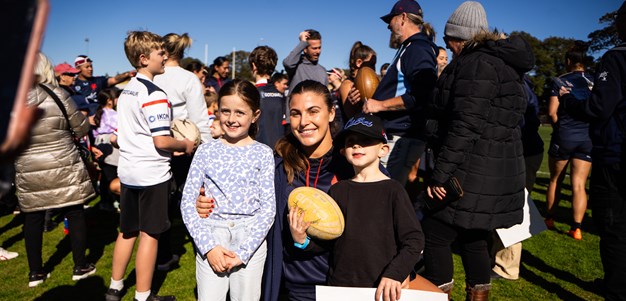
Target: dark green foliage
{"x":241,"y":65}
{"x":605,"y":37}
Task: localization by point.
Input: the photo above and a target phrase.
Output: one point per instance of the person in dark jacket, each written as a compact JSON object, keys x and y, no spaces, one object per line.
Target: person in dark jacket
{"x":271,"y":123}
{"x":218,"y":74}
{"x":507,"y":260}
{"x":605,"y":109}
{"x":402,"y":94}
{"x":478,"y":105}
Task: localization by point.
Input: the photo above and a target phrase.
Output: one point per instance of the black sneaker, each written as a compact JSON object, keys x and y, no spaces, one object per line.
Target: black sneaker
{"x":83,"y":272}
{"x":114,"y":295}
{"x":159,"y":298}
{"x":37,"y":278}
{"x":170,"y":264}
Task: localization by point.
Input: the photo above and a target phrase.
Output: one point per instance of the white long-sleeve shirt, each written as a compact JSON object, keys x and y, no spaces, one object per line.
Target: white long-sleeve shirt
{"x":184,"y":91}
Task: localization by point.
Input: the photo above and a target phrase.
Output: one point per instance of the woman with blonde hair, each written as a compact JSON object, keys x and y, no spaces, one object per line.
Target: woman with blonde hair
{"x":50,"y":173}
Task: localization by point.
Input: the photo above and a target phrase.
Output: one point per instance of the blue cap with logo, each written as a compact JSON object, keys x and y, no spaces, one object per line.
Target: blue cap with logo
{"x":365,"y":124}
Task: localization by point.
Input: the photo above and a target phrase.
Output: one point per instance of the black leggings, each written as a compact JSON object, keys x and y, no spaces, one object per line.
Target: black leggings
{"x":33,"y":235}
{"x":109,"y":172}
{"x":438,"y":252}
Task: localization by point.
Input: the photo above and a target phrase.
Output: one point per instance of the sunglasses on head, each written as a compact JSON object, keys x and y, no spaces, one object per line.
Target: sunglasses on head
{"x":82,"y":61}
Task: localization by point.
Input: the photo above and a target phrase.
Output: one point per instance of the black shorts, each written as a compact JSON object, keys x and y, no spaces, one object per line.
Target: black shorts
{"x":565,"y":150}
{"x":145,"y":209}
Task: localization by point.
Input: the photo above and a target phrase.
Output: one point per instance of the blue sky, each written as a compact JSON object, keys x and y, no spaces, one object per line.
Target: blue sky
{"x":243,"y":25}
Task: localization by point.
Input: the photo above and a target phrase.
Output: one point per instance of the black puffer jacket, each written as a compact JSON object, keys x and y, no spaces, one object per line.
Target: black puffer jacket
{"x":479,"y":102}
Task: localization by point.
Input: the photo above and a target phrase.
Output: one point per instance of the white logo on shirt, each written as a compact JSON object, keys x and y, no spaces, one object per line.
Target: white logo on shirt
{"x":603,"y":75}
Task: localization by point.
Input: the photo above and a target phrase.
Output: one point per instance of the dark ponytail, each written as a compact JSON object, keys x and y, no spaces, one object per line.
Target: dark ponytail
{"x":577,"y":54}
{"x":362,"y":52}
{"x":103,"y":98}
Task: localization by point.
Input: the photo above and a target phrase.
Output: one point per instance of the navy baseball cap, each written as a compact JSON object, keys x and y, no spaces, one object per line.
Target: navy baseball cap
{"x":403,"y":6}
{"x":368,"y":125}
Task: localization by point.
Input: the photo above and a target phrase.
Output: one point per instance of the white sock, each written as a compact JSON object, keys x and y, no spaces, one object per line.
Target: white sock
{"x":117,"y":284}
{"x":142,"y":296}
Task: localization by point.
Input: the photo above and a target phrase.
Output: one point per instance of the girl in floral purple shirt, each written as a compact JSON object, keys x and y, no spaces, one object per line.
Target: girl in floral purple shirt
{"x":238,"y":173}
{"x":105,"y":118}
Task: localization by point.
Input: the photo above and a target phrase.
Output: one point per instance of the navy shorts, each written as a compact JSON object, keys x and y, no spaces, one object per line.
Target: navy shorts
{"x":145,"y":208}
{"x":565,"y":150}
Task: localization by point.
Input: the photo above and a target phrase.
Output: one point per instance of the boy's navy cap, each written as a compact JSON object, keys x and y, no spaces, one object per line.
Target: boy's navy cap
{"x":403,"y":6}
{"x":364,"y":124}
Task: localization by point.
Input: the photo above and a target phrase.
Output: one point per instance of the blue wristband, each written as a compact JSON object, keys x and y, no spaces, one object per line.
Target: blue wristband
{"x":302,"y":245}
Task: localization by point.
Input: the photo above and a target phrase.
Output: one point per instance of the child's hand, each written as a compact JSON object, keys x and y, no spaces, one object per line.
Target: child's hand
{"x":389,"y":288}
{"x":97,"y":153}
{"x":233,"y":262}
{"x":204,"y":204}
{"x":190,"y":147}
{"x":297,"y":226}
{"x":217,"y":259}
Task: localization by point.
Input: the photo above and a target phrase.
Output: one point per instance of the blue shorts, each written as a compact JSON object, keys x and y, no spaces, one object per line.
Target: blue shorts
{"x":565,"y":150}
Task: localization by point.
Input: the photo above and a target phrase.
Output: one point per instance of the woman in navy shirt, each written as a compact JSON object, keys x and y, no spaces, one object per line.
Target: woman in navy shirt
{"x":570,"y":141}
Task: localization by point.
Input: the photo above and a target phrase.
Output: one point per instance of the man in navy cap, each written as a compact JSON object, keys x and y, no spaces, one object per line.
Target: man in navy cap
{"x":400,"y":99}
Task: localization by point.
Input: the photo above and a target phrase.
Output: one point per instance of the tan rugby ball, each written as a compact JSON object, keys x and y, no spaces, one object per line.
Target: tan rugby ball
{"x":321,"y":210}
{"x":185,"y":128}
{"x":366,"y":82}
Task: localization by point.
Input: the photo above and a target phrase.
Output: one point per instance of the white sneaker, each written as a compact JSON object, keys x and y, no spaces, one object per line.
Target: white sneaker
{"x":7,"y":255}
{"x":35,"y":279}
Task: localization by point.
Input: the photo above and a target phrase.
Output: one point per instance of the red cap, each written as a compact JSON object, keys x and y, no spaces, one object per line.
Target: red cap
{"x":65,"y":68}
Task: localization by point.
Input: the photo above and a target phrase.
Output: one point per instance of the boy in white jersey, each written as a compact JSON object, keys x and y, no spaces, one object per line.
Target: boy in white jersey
{"x":144,"y":116}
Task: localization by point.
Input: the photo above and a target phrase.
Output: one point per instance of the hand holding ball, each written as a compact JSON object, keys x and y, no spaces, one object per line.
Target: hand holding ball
{"x":185,"y":128}
{"x":366,"y":82}
{"x":320,"y":210}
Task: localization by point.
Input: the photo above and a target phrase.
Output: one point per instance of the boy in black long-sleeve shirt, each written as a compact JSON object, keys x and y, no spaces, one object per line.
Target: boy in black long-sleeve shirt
{"x":382,"y":239}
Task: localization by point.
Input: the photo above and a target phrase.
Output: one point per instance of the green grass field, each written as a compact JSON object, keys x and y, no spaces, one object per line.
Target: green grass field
{"x":554,"y":266}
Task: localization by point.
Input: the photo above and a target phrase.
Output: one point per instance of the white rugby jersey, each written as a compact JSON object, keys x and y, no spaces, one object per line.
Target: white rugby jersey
{"x":143,"y":112}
